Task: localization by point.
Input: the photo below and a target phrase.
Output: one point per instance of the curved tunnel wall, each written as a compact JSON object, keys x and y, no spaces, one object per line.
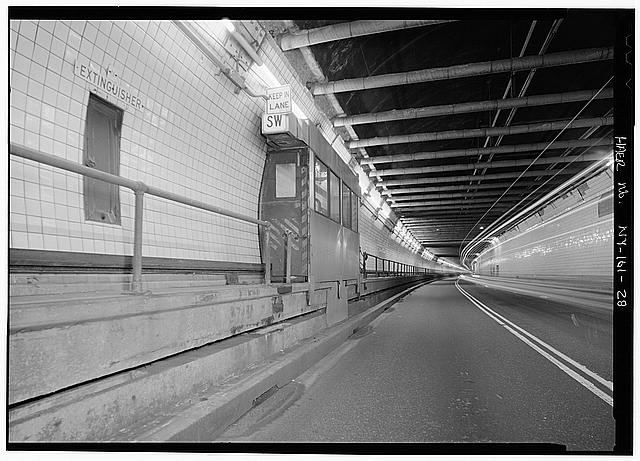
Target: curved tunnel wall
{"x":570,"y":240}
{"x":193,"y":135}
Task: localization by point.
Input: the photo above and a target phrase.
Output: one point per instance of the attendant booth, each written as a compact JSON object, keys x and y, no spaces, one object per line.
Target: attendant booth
{"x":309,"y":193}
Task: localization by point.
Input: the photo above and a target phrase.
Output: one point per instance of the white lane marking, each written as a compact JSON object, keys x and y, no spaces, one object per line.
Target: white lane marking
{"x":511,"y":327}
{"x":581,"y":367}
{"x":585,"y":382}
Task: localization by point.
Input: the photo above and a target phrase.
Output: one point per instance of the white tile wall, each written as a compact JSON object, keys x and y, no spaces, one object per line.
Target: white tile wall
{"x":568,"y":242}
{"x":195,"y":137}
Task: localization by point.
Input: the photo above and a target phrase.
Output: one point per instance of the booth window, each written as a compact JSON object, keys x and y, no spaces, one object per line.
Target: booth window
{"x":334,"y":191}
{"x":321,"y":189}
{"x":346,"y":206}
{"x":285,"y":180}
{"x":354,"y":211}
{"x":102,"y":152}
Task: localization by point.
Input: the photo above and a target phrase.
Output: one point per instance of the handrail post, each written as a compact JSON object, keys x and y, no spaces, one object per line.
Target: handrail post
{"x":365,"y":256}
{"x":287,"y":270}
{"x":377,"y":273}
{"x":267,"y":255}
{"x":136,"y":283}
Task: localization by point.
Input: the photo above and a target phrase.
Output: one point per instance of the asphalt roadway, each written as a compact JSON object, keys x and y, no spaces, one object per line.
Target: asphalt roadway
{"x":440,"y":367}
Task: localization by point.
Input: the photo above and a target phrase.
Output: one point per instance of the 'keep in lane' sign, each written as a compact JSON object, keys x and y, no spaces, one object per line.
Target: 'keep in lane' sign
{"x":279,"y":100}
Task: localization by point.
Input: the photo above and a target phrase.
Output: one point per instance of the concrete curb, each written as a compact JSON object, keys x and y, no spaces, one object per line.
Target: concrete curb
{"x":205,"y":420}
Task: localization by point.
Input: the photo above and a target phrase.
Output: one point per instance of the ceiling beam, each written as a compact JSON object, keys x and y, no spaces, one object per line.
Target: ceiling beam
{"x":447,"y":213}
{"x":456,"y":207}
{"x":397,"y":193}
{"x":461,"y":201}
{"x":472,"y":195}
{"x":590,"y":157}
{"x":432,"y":241}
{"x":431,"y":227}
{"x":442,"y":234}
{"x":418,"y":224}
{"x":477,"y":106}
{"x":450,"y":233}
{"x":481,"y":132}
{"x":449,"y":244}
{"x":443,"y":240}
{"x":468,"y":177}
{"x":429,"y":222}
{"x":331,"y":33}
{"x":473,"y":152}
{"x":427,"y":219}
{"x":437,"y":219}
{"x":464,"y":70}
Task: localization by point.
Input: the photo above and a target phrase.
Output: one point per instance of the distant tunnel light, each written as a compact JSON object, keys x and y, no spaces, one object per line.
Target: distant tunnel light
{"x":481,"y":227}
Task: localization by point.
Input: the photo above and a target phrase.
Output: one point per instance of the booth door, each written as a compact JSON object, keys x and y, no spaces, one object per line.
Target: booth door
{"x":283,"y":202}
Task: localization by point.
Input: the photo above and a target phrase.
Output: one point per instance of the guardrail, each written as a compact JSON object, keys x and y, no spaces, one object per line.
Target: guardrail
{"x":140,"y":189}
{"x":387,"y":267}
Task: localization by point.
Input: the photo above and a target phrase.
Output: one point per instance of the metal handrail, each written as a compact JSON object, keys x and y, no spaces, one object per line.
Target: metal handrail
{"x":394,"y":268}
{"x":139,"y":188}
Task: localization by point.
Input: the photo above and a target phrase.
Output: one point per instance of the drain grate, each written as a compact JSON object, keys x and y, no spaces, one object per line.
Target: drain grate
{"x":265,"y":395}
{"x":360,"y":332}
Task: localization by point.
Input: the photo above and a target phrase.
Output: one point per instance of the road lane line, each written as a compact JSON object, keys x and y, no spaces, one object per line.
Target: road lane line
{"x":581,"y":367}
{"x":511,"y":327}
{"x":579,"y":378}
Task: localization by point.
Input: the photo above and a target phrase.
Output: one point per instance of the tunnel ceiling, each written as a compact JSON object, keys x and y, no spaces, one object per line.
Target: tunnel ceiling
{"x":444,"y":192}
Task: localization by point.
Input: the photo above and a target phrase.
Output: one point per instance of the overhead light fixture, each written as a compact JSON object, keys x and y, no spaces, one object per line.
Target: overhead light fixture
{"x":228,"y":24}
{"x":271,"y":81}
{"x":481,"y":227}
